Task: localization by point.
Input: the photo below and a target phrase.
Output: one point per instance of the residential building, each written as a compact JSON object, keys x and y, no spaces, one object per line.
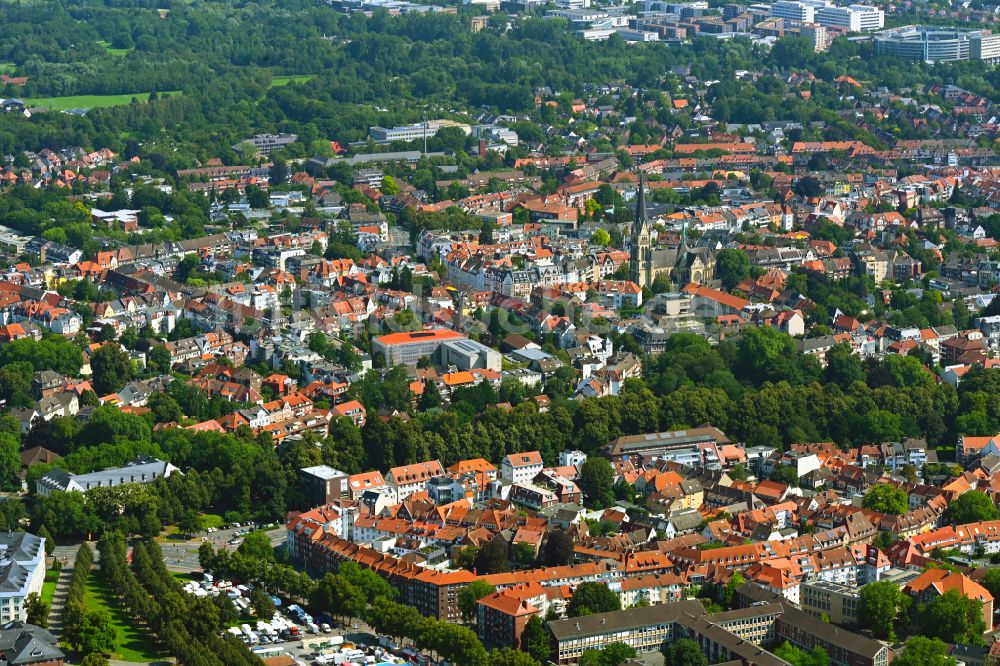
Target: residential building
{"x":521,"y":467}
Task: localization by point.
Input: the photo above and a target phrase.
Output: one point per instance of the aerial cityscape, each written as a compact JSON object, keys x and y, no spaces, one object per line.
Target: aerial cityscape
{"x":499,"y":333}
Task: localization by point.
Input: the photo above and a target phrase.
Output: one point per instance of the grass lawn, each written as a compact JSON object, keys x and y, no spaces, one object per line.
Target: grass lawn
{"x":186,"y":577}
{"x":285,"y":80}
{"x":207,"y":520}
{"x":113,"y":51}
{"x":7,"y":67}
{"x":89,"y":101}
{"x":134,"y":643}
{"x":212,"y":520}
{"x":49,"y":586}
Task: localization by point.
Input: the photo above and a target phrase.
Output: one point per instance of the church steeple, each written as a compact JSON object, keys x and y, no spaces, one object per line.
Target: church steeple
{"x":640,"y":234}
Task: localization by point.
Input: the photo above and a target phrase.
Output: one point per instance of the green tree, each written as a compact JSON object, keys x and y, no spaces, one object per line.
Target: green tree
{"x":263,"y":605}
{"x":597,"y":479}
{"x":257,"y":198}
{"x":95,"y":633}
{"x":94,"y":659}
{"x":431,"y":397}
{"x":111,"y":367}
{"x":991,"y":581}
{"x":953,"y":618}
{"x":557,"y":550}
{"x":732,"y":266}
{"x":389,"y":186}
{"x":612,"y":654}
{"x":799,"y":657}
{"x":512,"y":657}
{"x":880,"y":605}
{"x":159,"y":359}
{"x":590,"y":598}
{"x":257,"y":546}
{"x":470,"y":595}
{"x":600,"y":237}
{"x":492,"y":557}
{"x":37,"y":610}
{"x":535,"y":639}
{"x":10,"y":461}
{"x":684,"y":652}
{"x":808,"y":187}
{"x":189,"y":522}
{"x":886,"y":498}
{"x":971,"y":507}
{"x":843,"y":366}
{"x":786,"y":474}
{"x":923,"y":651}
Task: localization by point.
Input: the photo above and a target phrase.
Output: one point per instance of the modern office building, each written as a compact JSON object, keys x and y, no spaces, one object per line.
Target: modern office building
{"x":855,"y":18}
{"x":323,"y":484}
{"x":265,"y":144}
{"x":469,"y":354}
{"x":413,"y":132}
{"x":932,"y":44}
{"x":792,"y":10}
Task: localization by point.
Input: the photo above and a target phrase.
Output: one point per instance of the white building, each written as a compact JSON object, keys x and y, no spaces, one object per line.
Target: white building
{"x":141,"y":470}
{"x":413,"y":132}
{"x":22,"y":571}
{"x":855,"y":18}
{"x":521,"y":467}
{"x":572,"y":458}
{"x":410,"y":479}
{"x":793,"y":10}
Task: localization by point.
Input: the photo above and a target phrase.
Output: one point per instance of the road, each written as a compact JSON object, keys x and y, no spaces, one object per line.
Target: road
{"x":182,"y":555}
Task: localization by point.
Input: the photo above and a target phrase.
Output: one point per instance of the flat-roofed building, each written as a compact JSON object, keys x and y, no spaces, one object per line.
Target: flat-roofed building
{"x":938,"y":44}
{"x":838,"y":602}
{"x":409,"y":347}
{"x":469,"y":354}
{"x":323,"y":484}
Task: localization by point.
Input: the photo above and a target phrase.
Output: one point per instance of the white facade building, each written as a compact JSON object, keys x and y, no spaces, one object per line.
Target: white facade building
{"x":521,"y":467}
{"x":855,"y":18}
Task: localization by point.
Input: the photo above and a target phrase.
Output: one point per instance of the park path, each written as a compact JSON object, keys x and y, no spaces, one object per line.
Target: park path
{"x":59,"y":597}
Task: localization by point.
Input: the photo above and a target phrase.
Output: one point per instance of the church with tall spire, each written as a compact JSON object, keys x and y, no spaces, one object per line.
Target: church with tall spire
{"x":681,"y":264}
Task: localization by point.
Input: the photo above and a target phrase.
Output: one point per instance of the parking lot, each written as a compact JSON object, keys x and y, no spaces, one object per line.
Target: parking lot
{"x":181,"y":555}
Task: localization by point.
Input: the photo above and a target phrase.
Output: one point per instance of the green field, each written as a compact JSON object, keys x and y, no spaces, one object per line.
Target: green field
{"x":7,"y":67}
{"x":134,"y":643}
{"x":113,"y":51}
{"x":285,"y":80}
{"x":89,"y":101}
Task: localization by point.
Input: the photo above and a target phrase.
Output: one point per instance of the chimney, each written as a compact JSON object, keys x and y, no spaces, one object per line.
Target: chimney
{"x":482,"y":149}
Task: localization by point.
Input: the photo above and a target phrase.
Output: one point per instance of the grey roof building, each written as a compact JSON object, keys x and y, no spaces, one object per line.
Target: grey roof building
{"x":25,"y":644}
{"x":22,"y":571}
{"x":141,"y":470}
